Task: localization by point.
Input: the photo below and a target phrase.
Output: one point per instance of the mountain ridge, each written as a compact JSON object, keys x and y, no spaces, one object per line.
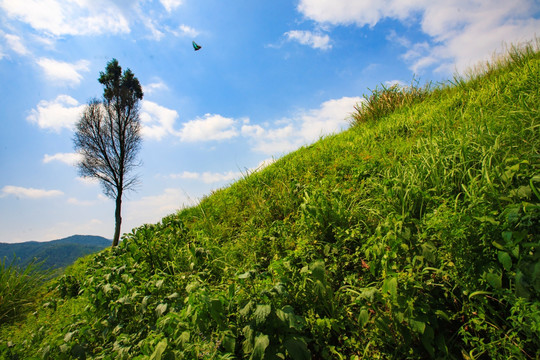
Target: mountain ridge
{"x":54,"y":253}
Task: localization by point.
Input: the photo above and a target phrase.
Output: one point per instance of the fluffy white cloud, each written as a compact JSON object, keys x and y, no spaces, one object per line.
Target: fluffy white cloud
{"x":155,"y":86}
{"x":64,"y":72}
{"x":170,"y":5}
{"x":66,"y":158}
{"x":80,"y":17}
{"x":151,"y":209}
{"x":315,"y":40}
{"x":306,"y":127}
{"x":462,"y":32}
{"x":90,"y":181}
{"x":29,"y":193}
{"x":208,"y":177}
{"x":157,"y":121}
{"x":327,"y":119}
{"x":185,"y":30}
{"x":15,"y":43}
{"x":209,"y":127}
{"x":62,"y":112}
{"x":362,"y":13}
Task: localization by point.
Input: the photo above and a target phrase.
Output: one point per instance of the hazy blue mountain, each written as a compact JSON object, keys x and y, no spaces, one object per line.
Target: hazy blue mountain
{"x":55,"y":253}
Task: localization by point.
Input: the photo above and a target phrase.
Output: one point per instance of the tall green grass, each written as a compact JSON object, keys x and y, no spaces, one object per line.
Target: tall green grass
{"x":385,"y":100}
{"x":19,"y":289}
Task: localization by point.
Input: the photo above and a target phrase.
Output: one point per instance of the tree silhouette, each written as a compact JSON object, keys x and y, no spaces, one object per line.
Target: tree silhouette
{"x":108,"y":136}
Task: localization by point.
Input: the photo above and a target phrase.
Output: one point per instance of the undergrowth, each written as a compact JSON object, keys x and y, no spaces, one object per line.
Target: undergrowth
{"x":411,"y":236}
{"x":20,"y":288}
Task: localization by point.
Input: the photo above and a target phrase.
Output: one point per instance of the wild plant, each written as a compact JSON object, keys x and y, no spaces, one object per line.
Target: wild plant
{"x":19,"y":288}
{"x":385,"y":100}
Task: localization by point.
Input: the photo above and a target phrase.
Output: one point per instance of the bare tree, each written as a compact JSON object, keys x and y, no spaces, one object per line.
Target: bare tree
{"x":108,"y":136}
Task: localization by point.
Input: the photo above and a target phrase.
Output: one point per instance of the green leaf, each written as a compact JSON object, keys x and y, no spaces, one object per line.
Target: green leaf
{"x":494,"y":280}
{"x":478,"y":293}
{"x":184,"y":337}
{"x":286,"y":314}
{"x":429,"y":252}
{"x":507,"y":236}
{"x":159,"y":350}
{"x":229,"y":343}
{"x":427,"y":340}
{"x":161,"y":309}
{"x":297,"y":349}
{"x":363,"y":317}
{"x":261,"y":313}
{"x":317,"y":271}
{"x":68,"y":336}
{"x":505,"y":260}
{"x":261,"y":343}
{"x":78,"y":351}
{"x":418,"y":326}
{"x":245,"y":275}
{"x":216,"y":309}
{"x":246,"y":309}
{"x":521,"y":286}
{"x":390,"y":286}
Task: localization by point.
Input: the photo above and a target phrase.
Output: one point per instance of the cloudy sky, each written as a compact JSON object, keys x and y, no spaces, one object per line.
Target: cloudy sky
{"x":271,"y":76}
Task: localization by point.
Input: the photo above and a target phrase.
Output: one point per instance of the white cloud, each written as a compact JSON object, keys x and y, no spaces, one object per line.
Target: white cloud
{"x":264,"y":163}
{"x":398,"y":83}
{"x":77,"y":202}
{"x":461,"y":32}
{"x":170,"y":5}
{"x":151,"y":209}
{"x":90,"y":181}
{"x":152,"y":25}
{"x":210,"y":127}
{"x":359,"y":12}
{"x":306,"y":127}
{"x":80,"y":17}
{"x":64,"y":72}
{"x":155,"y":86}
{"x":62,"y":112}
{"x":316,"y":41}
{"x":157,"y":121}
{"x":16,"y":44}
{"x":328,"y":119}
{"x":29,"y":193}
{"x":66,"y":158}
{"x":187,"y":31}
{"x":208,"y":177}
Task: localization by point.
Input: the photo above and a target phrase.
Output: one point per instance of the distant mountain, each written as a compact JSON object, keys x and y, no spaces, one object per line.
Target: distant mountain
{"x":55,"y":253}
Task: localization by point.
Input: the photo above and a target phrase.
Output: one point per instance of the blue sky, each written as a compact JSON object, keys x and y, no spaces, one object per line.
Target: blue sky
{"x":271,"y":76}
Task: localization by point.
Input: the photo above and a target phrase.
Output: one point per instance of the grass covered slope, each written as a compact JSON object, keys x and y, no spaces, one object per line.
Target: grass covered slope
{"x":412,"y":235}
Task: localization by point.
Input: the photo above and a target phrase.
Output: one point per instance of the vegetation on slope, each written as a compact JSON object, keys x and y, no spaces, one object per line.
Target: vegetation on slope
{"x":20,"y":289}
{"x":412,"y":235}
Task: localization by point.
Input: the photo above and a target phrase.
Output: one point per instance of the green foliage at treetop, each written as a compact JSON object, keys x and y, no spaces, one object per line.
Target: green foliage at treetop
{"x":412,"y":235}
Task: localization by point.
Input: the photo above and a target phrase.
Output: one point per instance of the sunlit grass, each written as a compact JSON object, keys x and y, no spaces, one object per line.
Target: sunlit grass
{"x":19,"y":289}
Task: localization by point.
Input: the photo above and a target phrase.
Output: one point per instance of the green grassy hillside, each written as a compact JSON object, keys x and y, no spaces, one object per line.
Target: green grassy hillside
{"x":414,"y":234}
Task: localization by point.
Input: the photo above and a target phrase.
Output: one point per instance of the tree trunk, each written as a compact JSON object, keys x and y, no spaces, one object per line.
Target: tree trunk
{"x":118,"y":219}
